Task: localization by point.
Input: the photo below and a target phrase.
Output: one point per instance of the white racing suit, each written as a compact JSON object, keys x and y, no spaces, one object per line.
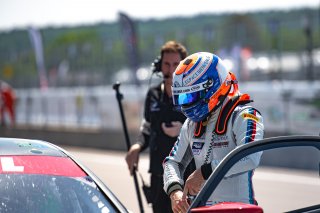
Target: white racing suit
{"x":244,"y":126}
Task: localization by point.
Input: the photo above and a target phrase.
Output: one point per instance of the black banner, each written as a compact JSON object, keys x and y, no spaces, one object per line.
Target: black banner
{"x":130,"y":40}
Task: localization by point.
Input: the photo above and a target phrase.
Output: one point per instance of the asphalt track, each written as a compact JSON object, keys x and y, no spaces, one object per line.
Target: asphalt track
{"x":277,"y":190}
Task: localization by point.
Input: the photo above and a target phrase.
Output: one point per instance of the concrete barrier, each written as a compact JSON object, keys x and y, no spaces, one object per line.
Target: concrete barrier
{"x":296,"y":157}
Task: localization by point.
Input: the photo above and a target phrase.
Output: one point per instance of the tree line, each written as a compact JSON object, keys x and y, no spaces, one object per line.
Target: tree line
{"x":91,"y":54}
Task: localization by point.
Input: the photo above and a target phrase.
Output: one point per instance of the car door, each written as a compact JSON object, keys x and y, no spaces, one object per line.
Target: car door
{"x":288,"y":172}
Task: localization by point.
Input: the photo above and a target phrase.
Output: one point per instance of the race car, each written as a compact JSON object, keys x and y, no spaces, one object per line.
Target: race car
{"x":37,"y":176}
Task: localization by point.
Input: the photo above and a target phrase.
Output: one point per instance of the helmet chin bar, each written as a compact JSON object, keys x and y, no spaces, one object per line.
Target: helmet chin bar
{"x":221,"y":99}
{"x":218,"y":101}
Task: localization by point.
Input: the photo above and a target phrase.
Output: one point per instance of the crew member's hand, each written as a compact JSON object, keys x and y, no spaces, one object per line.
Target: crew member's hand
{"x":132,"y":157}
{"x":193,"y":184}
{"x":172,"y":131}
{"x":178,"y":204}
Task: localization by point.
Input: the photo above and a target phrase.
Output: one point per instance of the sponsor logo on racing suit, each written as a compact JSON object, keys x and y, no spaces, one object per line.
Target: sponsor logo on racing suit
{"x":219,"y":141}
{"x":197,"y":147}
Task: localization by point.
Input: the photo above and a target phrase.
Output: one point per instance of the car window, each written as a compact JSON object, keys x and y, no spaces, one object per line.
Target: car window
{"x":286,"y":179}
{"x":45,"y":193}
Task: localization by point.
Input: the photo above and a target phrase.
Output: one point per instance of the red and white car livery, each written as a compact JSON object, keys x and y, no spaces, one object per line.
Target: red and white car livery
{"x":36,"y":176}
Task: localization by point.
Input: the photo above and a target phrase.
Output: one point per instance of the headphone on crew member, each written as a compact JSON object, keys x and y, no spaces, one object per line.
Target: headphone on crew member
{"x":156,"y":64}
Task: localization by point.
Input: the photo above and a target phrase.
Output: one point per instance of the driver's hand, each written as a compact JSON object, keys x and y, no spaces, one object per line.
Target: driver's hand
{"x":178,"y":204}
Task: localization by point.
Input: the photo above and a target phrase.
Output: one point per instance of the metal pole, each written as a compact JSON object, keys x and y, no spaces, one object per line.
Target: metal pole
{"x":309,"y":46}
{"x":119,"y":97}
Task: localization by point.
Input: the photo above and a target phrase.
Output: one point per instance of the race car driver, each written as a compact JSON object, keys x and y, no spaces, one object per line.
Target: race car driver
{"x":219,"y":118}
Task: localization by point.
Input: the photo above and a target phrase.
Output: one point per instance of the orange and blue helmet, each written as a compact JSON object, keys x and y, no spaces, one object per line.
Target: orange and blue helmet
{"x":201,"y":82}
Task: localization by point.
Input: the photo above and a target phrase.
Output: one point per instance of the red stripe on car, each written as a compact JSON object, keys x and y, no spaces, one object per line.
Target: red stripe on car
{"x":46,"y":165}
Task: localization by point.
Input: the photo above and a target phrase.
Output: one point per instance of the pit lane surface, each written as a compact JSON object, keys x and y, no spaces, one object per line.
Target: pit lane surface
{"x":277,"y":190}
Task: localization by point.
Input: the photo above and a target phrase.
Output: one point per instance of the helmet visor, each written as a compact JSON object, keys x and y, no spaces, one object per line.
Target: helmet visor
{"x":188,"y":98}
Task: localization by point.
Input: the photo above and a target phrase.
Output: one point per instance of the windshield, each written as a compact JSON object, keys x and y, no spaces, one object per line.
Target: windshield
{"x":44,"y":193}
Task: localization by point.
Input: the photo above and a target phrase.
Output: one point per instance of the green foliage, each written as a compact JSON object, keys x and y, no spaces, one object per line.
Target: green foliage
{"x":100,"y":48}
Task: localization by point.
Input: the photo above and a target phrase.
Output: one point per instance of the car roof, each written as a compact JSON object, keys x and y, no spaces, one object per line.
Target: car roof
{"x":28,"y":156}
{"x":19,"y":146}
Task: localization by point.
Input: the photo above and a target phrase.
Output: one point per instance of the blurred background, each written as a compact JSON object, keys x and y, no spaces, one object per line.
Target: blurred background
{"x":61,"y":59}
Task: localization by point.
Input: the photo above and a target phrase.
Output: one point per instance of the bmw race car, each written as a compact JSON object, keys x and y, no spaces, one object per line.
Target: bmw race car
{"x":37,"y":176}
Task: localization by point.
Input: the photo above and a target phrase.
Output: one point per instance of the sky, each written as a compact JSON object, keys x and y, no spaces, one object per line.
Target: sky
{"x":56,"y":13}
